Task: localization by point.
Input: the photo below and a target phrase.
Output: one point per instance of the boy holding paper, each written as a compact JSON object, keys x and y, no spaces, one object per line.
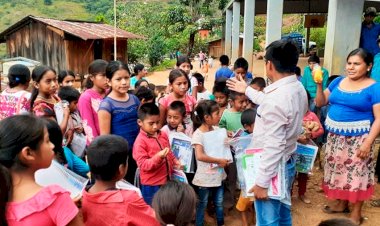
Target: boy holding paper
{"x":277,"y":127}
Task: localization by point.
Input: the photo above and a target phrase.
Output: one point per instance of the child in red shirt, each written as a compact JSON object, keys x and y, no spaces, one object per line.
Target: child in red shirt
{"x":152,"y":153}
{"x":103,"y":203}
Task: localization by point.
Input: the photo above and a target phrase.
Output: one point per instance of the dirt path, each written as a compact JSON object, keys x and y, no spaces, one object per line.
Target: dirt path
{"x":303,"y":214}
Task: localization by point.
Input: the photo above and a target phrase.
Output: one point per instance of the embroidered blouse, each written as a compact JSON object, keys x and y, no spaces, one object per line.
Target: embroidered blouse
{"x":351,"y":112}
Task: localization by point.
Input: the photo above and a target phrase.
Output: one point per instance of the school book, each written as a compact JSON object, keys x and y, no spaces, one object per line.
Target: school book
{"x":57,"y":174}
{"x":182,"y":149}
{"x":251,"y":163}
{"x":214,"y":145}
{"x":305,"y":157}
{"x":239,"y":145}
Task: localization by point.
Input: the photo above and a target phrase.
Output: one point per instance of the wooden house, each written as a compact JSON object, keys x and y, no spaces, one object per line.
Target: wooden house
{"x":216,"y":48}
{"x":65,"y":44}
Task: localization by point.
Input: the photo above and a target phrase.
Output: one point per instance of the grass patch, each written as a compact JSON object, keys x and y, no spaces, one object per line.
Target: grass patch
{"x":165,"y":65}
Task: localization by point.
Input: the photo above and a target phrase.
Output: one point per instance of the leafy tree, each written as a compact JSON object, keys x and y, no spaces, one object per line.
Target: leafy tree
{"x":156,"y":50}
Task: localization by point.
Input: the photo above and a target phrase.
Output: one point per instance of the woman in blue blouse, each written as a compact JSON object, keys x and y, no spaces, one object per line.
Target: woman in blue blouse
{"x":353,"y":122}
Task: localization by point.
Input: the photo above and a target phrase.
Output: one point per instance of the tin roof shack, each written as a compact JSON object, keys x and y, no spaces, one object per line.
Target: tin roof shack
{"x":65,"y":44}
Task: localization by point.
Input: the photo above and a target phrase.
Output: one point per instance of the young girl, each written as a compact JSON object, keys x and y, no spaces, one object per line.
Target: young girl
{"x":63,"y":154}
{"x":175,"y":116}
{"x":24,"y":149}
{"x":66,"y":78}
{"x":208,"y":179}
{"x":184,"y":63}
{"x":141,"y":82}
{"x":15,"y":99}
{"x":179,"y":84}
{"x":44,"y":96}
{"x":118,"y":111}
{"x":221,"y":92}
{"x":178,"y":210}
{"x":139,"y":73}
{"x":89,"y":101}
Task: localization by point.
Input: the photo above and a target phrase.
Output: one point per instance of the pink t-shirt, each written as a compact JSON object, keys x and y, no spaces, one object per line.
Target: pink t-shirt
{"x":88,"y":106}
{"x":50,"y":206}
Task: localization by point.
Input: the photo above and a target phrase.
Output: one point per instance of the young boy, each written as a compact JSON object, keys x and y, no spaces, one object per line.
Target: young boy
{"x":103,"y":203}
{"x":231,"y":120}
{"x":152,"y":153}
{"x":258,"y":84}
{"x":145,"y":95}
{"x":74,"y":135}
{"x":203,"y":93}
{"x":241,"y":70}
{"x":224,"y":71}
{"x":220,"y":92}
{"x":248,"y":122}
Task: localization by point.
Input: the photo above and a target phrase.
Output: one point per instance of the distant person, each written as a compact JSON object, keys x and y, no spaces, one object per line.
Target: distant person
{"x":139,"y":73}
{"x":66,"y":78}
{"x":370,"y":32}
{"x":224,"y":71}
{"x":202,"y":58}
{"x":210,"y":61}
{"x":308,"y":80}
{"x":203,"y":93}
{"x":375,"y":71}
{"x":15,"y":99}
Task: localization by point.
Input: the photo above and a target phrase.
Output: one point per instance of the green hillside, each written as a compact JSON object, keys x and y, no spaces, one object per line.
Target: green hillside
{"x":14,"y":10}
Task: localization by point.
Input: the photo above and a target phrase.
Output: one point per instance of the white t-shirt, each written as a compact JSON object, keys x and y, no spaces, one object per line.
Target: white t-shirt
{"x":206,"y":95}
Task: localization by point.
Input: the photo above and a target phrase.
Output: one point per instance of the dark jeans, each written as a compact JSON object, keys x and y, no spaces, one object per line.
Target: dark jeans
{"x":203,"y":193}
{"x":148,"y":192}
{"x":302,"y":179}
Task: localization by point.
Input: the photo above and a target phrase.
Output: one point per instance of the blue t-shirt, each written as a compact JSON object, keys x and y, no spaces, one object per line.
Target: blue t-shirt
{"x":248,"y":77}
{"x":351,"y":112}
{"x":75,"y":164}
{"x":223,"y":72}
{"x":123,"y":117}
{"x":368,"y":38}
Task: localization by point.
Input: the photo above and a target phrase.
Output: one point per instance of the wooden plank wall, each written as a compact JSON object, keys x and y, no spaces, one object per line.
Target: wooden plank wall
{"x":80,"y":54}
{"x":36,"y":42}
{"x":121,"y":50}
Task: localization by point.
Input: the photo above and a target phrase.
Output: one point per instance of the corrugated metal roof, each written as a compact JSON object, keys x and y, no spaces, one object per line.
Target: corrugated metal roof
{"x":81,"y":29}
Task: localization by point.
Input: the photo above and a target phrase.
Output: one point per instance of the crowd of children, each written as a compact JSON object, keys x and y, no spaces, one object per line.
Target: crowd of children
{"x":119,"y":128}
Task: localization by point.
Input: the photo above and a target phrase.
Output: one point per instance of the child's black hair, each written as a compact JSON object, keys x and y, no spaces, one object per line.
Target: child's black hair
{"x":177,"y":73}
{"x":137,"y":69}
{"x":283,"y":54}
{"x":176,"y":209}
{"x":105,"y":154}
{"x":241,"y":63}
{"x":144,"y":93}
{"x":16,"y":133}
{"x":114,"y":66}
{"x":259,"y":81}
{"x":297,"y":71}
{"x":147,"y":109}
{"x":337,"y":222}
{"x":314,"y":58}
{"x":138,"y":83}
{"x":199,"y":77}
{"x":248,"y":117}
{"x":56,"y":137}
{"x":68,"y":93}
{"x":233,"y":95}
{"x":224,"y":60}
{"x":152,"y":86}
{"x":220,"y":86}
{"x":204,"y":107}
{"x":182,"y":59}
{"x":63,"y":74}
{"x":37,"y":74}
{"x":178,"y":106}
{"x":96,"y":67}
{"x":18,"y":74}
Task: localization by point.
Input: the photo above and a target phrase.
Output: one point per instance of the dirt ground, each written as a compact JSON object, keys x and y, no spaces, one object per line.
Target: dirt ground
{"x":303,"y":214}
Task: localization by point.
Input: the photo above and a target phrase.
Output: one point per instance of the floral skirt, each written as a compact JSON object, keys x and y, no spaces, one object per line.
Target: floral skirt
{"x":346,"y":176}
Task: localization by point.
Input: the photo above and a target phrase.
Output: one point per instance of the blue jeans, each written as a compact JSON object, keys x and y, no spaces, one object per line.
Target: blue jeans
{"x":148,"y":192}
{"x":203,"y":193}
{"x":273,"y":212}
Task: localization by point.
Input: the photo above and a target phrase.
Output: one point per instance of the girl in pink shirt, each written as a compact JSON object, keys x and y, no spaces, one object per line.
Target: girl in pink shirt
{"x":179,"y":84}
{"x":89,"y":101}
{"x":24,"y":149}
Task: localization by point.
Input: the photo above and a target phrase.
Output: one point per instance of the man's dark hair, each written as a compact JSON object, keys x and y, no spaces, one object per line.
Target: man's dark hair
{"x":105,"y":154}
{"x":68,"y":93}
{"x":224,"y":60}
{"x":148,"y":109}
{"x":283,"y":54}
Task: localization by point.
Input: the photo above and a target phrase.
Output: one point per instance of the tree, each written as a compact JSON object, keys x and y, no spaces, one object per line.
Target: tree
{"x":48,"y":2}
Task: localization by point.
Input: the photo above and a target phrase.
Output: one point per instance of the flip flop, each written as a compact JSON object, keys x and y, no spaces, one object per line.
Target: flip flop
{"x":327,"y":209}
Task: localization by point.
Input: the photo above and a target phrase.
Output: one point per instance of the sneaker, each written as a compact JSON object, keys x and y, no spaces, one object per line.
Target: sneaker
{"x":304,"y":199}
